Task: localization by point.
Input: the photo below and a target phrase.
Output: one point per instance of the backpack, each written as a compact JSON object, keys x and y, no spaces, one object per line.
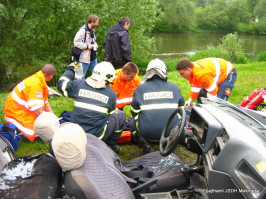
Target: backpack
{"x":10,"y":132}
{"x":254,"y":99}
{"x":76,"y":52}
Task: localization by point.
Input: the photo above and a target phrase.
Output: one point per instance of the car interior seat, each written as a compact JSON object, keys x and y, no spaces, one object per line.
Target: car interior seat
{"x":96,"y":178}
{"x":104,"y":175}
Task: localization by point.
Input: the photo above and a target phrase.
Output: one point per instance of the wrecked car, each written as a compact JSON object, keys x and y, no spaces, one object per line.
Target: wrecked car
{"x":229,"y":141}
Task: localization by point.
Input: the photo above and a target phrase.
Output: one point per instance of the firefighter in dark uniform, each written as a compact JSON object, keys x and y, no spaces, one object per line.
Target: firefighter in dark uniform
{"x":94,"y":102}
{"x":153,"y":102}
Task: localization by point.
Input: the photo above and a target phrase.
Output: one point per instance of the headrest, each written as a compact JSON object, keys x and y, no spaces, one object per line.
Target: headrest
{"x":46,"y":124}
{"x":69,"y":146}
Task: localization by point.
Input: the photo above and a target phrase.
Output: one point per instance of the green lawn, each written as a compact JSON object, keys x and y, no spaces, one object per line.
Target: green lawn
{"x":250,"y":76}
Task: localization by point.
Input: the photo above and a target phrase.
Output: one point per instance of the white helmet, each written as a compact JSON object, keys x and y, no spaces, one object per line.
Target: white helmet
{"x":157,"y":64}
{"x":103,"y":73}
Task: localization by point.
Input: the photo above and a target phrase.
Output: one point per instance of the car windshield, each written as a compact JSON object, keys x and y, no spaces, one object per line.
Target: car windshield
{"x":252,"y":118}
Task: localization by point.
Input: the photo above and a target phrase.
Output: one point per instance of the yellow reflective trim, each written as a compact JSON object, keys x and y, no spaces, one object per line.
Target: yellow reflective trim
{"x":137,"y":122}
{"x":135,"y":111}
{"x":64,"y":85}
{"x":104,"y":130}
{"x":90,"y":107}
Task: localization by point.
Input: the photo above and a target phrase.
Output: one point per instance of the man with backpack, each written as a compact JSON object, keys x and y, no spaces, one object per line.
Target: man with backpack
{"x":85,"y":40}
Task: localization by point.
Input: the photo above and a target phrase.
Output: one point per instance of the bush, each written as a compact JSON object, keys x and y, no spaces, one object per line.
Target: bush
{"x":242,"y":59}
{"x":232,"y":45}
{"x":209,"y":53}
{"x":142,"y":65}
{"x":261,"y":57}
{"x":170,"y":64}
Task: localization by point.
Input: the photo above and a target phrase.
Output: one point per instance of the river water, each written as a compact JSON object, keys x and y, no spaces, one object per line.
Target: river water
{"x":180,"y":45}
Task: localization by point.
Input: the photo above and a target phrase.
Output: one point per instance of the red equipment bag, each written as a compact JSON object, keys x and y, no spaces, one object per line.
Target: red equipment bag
{"x":125,"y":137}
{"x":254,"y":99}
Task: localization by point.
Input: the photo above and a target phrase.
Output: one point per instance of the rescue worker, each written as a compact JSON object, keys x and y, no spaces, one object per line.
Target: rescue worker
{"x":28,"y":100}
{"x":125,"y":83}
{"x":94,"y":102}
{"x":215,"y":75}
{"x":153,"y":102}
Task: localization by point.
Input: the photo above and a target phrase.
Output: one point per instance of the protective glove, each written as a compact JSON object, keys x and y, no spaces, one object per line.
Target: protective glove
{"x":188,"y":102}
{"x":73,"y":66}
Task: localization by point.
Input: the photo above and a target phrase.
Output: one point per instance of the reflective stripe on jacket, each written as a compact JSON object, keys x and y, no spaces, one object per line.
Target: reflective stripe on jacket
{"x":153,"y":102}
{"x":28,"y":96}
{"x":91,"y":106}
{"x":208,"y":73}
{"x":124,"y":90}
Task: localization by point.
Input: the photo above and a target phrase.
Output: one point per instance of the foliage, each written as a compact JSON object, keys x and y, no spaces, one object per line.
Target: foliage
{"x":259,"y":12}
{"x":223,"y":14}
{"x":261,"y":57}
{"x":251,"y":5}
{"x":179,"y":13}
{"x":37,"y":32}
{"x":251,"y":28}
{"x":233,"y":46}
{"x":161,"y":26}
{"x":213,"y":52}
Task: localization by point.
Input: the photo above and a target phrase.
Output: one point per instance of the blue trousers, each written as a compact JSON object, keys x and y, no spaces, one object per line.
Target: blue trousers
{"x":226,"y":87}
{"x":87,"y":66}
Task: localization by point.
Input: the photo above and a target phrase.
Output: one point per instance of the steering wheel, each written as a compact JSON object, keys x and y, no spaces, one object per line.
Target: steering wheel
{"x":168,"y":144}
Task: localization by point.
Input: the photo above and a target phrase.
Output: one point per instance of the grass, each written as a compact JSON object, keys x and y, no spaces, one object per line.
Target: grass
{"x":250,"y":77}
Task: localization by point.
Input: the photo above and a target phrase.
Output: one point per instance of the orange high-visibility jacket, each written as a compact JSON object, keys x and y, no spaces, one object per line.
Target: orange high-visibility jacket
{"x":208,"y":73}
{"x":124,"y":90}
{"x":28,"y":96}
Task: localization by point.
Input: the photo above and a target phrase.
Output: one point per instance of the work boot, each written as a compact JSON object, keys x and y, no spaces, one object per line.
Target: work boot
{"x":147,"y":147}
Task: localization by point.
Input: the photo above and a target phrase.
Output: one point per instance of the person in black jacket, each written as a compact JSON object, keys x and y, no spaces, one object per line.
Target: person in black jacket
{"x":153,"y":102}
{"x":94,"y":102}
{"x":117,"y":44}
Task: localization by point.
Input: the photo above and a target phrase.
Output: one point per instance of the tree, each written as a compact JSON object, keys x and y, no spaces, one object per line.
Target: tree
{"x":260,"y":14}
{"x":224,"y":14}
{"x":179,"y":13}
{"x":251,"y":5}
{"x":34,"y":33}
{"x":37,"y":32}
